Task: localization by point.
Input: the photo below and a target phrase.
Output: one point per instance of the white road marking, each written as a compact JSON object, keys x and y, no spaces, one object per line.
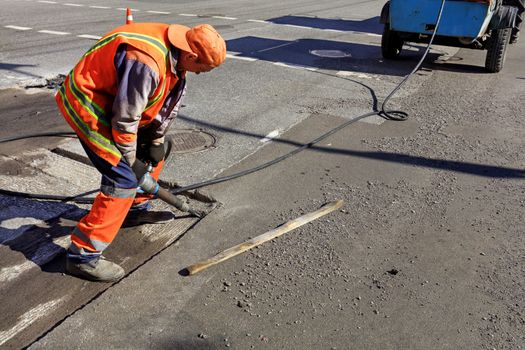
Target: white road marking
{"x":99,"y":7}
{"x":277,"y":46}
{"x":345,"y":73}
{"x":29,"y":318}
{"x":334,"y":30}
{"x":187,"y":15}
{"x":16,"y":226}
{"x":270,"y":136}
{"x":43,"y":255}
{"x":249,"y":59}
{"x":75,"y":5}
{"x":47,"y":2}
{"x":124,"y":9}
{"x":89,"y":36}
{"x":296,"y":26}
{"x":53,"y":32}
{"x":18,"y":28}
{"x":258,"y":21}
{"x":11,"y":272}
{"x":375,"y":35}
{"x":293,"y":66}
{"x":224,"y":17}
{"x":159,"y":12}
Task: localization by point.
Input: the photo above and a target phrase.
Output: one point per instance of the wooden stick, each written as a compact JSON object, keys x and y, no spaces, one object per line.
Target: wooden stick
{"x":254,"y":242}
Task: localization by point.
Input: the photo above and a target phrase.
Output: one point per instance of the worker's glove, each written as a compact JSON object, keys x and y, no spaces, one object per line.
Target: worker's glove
{"x":139,"y":168}
{"x":152,"y":153}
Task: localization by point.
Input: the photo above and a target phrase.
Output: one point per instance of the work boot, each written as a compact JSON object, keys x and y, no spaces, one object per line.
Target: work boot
{"x":140,"y":208}
{"x":98,"y":270}
{"x":140,"y":214}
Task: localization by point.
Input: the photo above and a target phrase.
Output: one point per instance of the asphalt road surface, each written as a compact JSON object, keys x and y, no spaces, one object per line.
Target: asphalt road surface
{"x":427,"y":252}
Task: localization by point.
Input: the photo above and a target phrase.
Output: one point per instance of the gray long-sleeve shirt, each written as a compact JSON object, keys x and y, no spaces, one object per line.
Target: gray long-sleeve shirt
{"x":137,"y":82}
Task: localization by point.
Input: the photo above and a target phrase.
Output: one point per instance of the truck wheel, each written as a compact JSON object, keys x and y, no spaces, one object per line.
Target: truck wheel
{"x":497,"y":49}
{"x":391,"y":43}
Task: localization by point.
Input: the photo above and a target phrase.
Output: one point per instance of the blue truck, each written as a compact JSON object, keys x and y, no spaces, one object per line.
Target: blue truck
{"x":475,"y":24}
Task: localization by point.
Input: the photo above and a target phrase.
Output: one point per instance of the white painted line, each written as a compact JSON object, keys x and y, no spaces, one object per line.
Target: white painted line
{"x":281,"y":64}
{"x":47,"y":2}
{"x":28,"y":319}
{"x":224,"y":17}
{"x":296,"y":26}
{"x":345,"y":73}
{"x":159,"y":12}
{"x":187,"y":15}
{"x":75,"y":5}
{"x":249,"y":59}
{"x":11,"y":272}
{"x":88,"y":36}
{"x":43,"y":255}
{"x":125,"y":9}
{"x":259,"y":21}
{"x":334,"y":30}
{"x":53,"y":32}
{"x":270,"y":136}
{"x":277,"y":46}
{"x":100,"y":7}
{"x":18,"y":28}
{"x":372,"y":34}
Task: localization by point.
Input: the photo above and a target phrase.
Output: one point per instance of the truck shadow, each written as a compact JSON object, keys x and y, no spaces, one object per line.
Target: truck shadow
{"x":370,"y":25}
{"x":453,"y":65}
{"x":327,"y":55}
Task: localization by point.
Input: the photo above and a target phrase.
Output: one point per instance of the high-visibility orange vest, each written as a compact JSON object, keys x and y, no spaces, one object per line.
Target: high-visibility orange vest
{"x":86,"y":97}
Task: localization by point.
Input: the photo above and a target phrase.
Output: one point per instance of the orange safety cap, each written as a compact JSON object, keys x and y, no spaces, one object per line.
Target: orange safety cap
{"x":202,"y":40}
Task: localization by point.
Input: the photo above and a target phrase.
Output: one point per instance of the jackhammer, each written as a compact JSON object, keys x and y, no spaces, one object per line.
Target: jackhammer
{"x":148,"y":185}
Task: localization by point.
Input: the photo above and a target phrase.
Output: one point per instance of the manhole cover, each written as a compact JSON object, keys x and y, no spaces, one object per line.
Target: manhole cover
{"x":330,"y":53}
{"x":188,"y":141}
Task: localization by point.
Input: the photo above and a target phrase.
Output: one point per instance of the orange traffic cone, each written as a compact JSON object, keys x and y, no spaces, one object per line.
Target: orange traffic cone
{"x":129,"y":16}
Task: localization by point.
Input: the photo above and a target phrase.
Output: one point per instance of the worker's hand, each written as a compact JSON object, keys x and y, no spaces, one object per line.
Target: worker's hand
{"x":139,"y":168}
{"x":155,"y":153}
{"x":151,"y":153}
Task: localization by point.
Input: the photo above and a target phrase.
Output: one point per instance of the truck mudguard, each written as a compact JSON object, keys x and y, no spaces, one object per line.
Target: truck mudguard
{"x":504,"y":17}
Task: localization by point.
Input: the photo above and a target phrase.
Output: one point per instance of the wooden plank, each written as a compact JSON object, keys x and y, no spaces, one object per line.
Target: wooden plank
{"x":265,"y":237}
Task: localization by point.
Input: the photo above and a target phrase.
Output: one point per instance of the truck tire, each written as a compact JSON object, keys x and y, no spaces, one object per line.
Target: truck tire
{"x":497,"y":49}
{"x":391,"y":43}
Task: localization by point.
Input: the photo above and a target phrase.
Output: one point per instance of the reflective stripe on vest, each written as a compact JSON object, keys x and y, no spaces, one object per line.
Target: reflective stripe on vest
{"x":91,"y":136}
{"x":87,"y":95}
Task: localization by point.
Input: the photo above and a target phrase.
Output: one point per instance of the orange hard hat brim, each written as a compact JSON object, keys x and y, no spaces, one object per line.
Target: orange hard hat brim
{"x":177,"y":37}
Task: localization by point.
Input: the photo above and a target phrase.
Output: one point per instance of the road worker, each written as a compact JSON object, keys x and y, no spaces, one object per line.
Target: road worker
{"x":120,"y":99}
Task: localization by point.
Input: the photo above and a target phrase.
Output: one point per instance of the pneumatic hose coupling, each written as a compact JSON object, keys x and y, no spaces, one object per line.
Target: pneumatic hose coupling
{"x":148,"y":184}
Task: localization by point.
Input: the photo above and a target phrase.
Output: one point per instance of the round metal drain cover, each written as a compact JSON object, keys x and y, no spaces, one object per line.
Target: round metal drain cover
{"x":188,"y":141}
{"x":331,"y":53}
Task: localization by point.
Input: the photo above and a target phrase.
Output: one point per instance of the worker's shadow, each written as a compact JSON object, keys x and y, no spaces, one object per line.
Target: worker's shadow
{"x":15,"y":67}
{"x":28,"y":230}
{"x":328,"y":55}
